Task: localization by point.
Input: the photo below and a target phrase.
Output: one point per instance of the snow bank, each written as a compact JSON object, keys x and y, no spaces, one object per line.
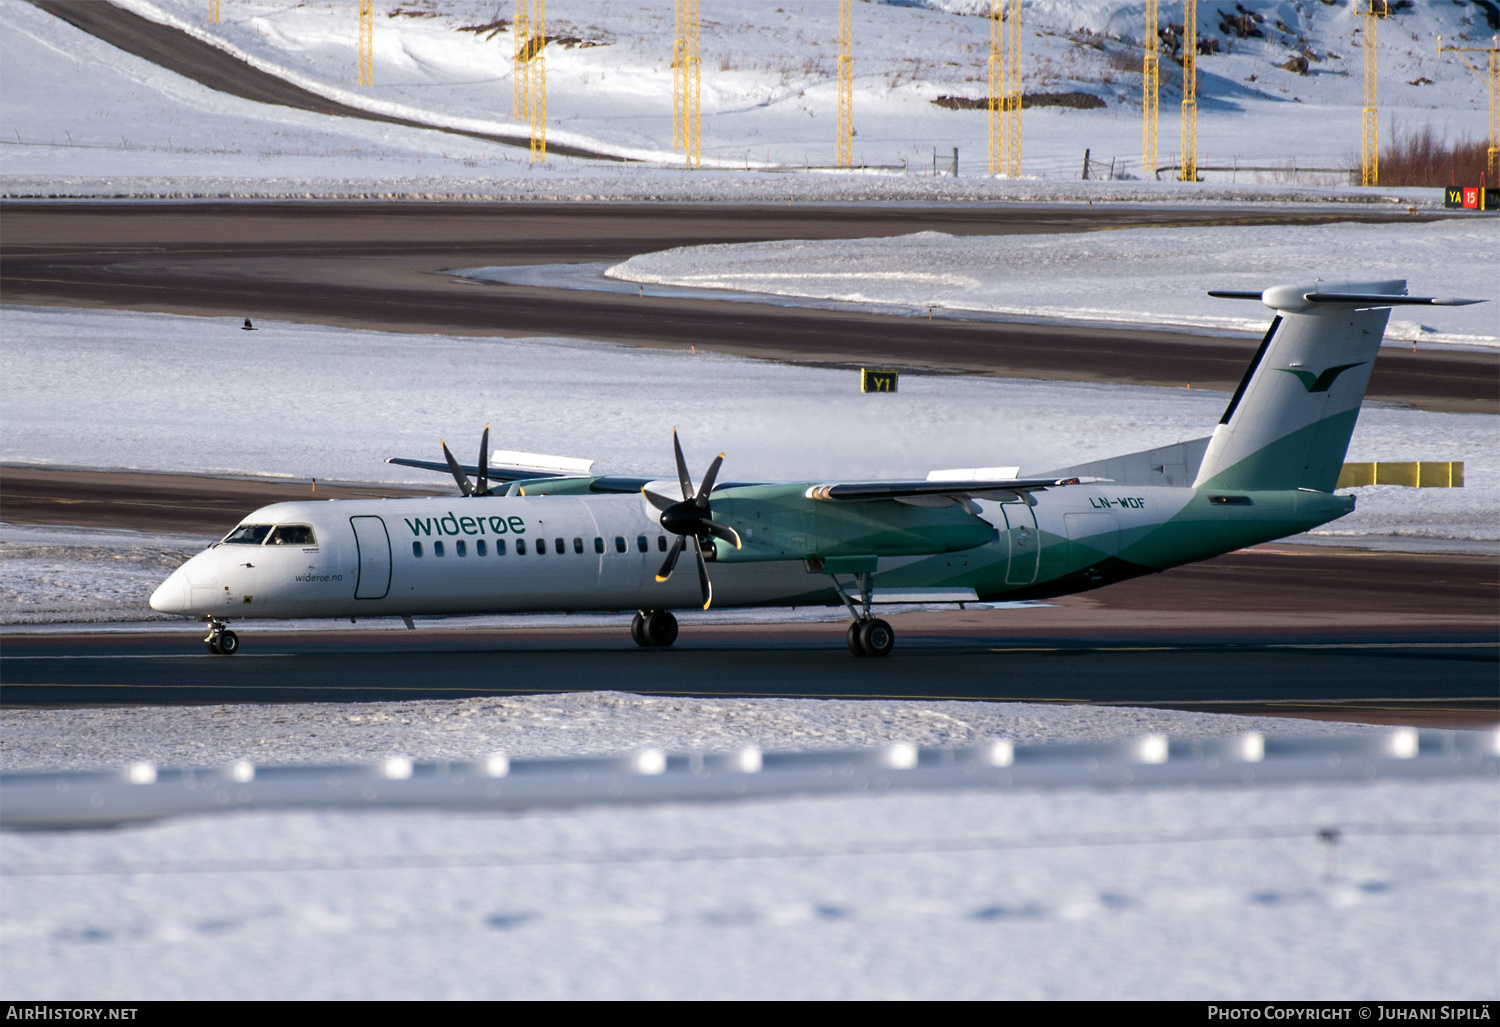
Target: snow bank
{"x":1135,"y":276}
{"x":1185,"y":894}
{"x":572,"y":724}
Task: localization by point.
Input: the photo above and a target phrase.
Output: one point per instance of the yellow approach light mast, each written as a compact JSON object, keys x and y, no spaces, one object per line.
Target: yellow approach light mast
{"x":213,"y":12}
{"x":997,"y":88}
{"x":366,"y":42}
{"x":1492,"y":84}
{"x":520,"y":94}
{"x":1012,"y":100}
{"x":1005,"y":89}
{"x":686,"y":84}
{"x":1369,"y":144}
{"x":1150,"y":86}
{"x":846,"y":85}
{"x":1190,"y":90}
{"x":538,"y":83}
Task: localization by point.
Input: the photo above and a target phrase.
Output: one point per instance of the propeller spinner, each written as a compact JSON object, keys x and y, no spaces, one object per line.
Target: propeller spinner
{"x":467,"y":487}
{"x":691,"y":518}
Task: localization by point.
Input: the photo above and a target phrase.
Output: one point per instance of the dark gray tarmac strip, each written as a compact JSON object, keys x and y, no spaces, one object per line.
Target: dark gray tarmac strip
{"x":202,"y":62}
{"x":375,"y":265}
{"x":1438,"y":679}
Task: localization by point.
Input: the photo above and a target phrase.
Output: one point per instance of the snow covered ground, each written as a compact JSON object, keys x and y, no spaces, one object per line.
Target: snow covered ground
{"x":80,"y":117}
{"x":1135,"y":276}
{"x":769,"y":94}
{"x":85,"y":575}
{"x":574,"y":724}
{"x":306,"y":401}
{"x":1184,"y":893}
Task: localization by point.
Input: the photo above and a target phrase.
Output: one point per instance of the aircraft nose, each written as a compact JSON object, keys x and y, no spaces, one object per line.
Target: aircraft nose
{"x":171,"y":596}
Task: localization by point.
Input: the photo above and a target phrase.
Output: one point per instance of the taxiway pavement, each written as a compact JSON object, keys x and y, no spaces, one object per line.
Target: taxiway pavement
{"x":377,"y":265}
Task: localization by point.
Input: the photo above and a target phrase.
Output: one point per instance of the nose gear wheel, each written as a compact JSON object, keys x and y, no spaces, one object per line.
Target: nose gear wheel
{"x":221,"y":641}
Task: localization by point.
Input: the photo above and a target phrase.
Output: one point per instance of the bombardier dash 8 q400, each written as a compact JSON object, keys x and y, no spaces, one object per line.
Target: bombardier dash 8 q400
{"x":560,"y":539}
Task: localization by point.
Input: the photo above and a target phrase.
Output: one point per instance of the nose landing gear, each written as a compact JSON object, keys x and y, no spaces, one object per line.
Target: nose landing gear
{"x":221,"y":641}
{"x":653,"y":629}
{"x":867,"y":636}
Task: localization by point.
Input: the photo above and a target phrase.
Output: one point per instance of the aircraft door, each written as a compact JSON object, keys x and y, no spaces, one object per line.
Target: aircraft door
{"x":1024,"y":543}
{"x":374,"y":544}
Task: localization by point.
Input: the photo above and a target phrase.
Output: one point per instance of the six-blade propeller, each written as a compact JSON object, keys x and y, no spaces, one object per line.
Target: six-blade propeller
{"x":687,"y":518}
{"x":466,"y":486}
{"x":691,"y":518}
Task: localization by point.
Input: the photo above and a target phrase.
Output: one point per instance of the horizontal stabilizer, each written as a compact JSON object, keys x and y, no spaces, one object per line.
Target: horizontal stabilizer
{"x":1277,"y":299}
{"x":1395,"y":301}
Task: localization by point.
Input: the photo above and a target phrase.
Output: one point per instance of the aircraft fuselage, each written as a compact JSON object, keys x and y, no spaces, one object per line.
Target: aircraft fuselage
{"x":495,"y":554}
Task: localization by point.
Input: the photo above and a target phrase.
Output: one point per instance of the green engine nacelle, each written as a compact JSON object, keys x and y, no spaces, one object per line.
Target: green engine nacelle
{"x":779,"y":522}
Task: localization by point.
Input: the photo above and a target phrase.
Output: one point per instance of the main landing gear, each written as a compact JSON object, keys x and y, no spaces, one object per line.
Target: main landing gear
{"x":867,"y":636}
{"x":221,"y":641}
{"x":654,"y":629}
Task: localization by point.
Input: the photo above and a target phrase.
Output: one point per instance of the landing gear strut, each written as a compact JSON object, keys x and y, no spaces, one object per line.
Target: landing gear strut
{"x":654,"y":629}
{"x":221,"y":641}
{"x":867,"y":636}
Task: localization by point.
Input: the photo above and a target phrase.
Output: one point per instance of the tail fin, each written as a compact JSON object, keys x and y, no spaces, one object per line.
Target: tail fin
{"x":1289,"y":422}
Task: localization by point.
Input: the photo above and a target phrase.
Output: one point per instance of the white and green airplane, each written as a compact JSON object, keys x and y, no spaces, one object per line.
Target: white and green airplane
{"x":544,"y":534}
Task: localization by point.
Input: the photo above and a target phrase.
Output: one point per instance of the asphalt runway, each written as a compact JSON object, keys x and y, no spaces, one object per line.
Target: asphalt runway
{"x":375,"y":265}
{"x":1438,"y":679}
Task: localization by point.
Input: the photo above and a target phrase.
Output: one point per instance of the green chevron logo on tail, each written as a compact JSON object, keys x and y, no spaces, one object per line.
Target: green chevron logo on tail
{"x":1319,"y":382}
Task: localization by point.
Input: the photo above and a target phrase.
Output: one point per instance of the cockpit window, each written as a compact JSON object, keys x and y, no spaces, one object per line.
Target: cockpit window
{"x":292,"y":535}
{"x":248,"y":535}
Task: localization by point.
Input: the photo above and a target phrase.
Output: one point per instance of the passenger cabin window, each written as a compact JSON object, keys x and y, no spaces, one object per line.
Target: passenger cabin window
{"x":437,"y":549}
{"x":479,"y":548}
{"x":292,"y":535}
{"x":598,"y":545}
{"x":661,"y":543}
{"x":642,"y":544}
{"x":461,"y":548}
{"x":416,"y":549}
{"x":619,"y":543}
{"x":499,"y":547}
{"x":560,"y":548}
{"x":520,"y":547}
{"x":541,"y":546}
{"x":248,"y":535}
